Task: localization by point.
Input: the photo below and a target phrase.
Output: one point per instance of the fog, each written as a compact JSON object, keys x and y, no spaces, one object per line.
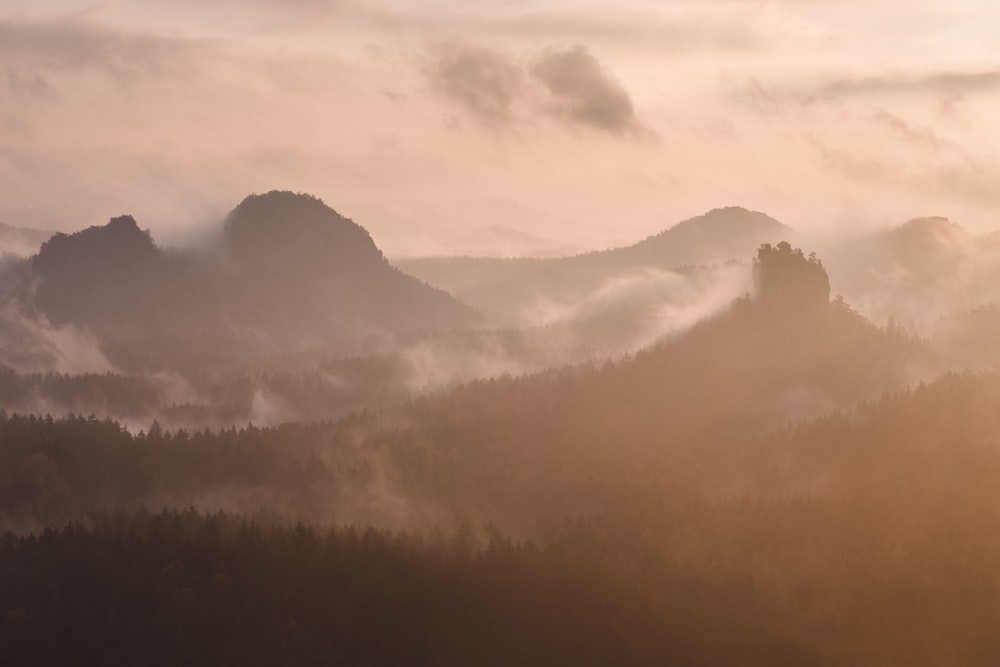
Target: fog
{"x":927,"y":278}
{"x":33,"y":345}
{"x":533,"y":332}
{"x":633,"y":415}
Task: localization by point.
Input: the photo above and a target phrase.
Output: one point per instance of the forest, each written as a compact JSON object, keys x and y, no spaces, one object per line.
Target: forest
{"x":779,"y":478}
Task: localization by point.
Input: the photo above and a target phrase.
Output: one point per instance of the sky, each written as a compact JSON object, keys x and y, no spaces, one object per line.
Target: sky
{"x":500,"y":126}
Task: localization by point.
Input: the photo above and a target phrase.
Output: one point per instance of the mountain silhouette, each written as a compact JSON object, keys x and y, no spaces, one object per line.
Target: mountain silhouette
{"x":287,"y":272}
{"x":284,"y":229}
{"x":918,"y":272}
{"x":721,"y":235}
{"x":781,"y":355}
{"x":100,"y":275}
{"x":295,"y":264}
{"x":926,"y":244}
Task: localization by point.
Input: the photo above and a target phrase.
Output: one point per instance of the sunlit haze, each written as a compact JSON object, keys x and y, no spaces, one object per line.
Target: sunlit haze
{"x":503,"y":332}
{"x":574,"y":124}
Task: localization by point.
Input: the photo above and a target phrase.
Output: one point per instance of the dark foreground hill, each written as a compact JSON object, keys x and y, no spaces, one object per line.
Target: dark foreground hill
{"x":288,"y":272}
{"x":865,"y":537}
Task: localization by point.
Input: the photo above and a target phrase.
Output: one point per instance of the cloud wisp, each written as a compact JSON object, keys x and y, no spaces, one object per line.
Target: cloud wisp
{"x":567,"y":85}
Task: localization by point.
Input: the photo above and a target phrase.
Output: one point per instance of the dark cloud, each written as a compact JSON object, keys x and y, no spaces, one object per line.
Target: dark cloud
{"x":582,"y":91}
{"x":27,"y":83}
{"x":923,"y":137}
{"x":485,"y":83}
{"x":938,"y":82}
{"x":81,"y":42}
{"x":753,"y":94}
{"x":570,"y":85}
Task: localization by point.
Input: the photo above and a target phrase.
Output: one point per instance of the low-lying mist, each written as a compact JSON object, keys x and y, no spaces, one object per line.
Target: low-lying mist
{"x":927,"y":278}
{"x":710,"y":446}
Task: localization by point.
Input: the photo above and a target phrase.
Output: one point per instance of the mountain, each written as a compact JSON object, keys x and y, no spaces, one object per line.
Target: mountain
{"x":100,"y":276}
{"x":721,"y":234}
{"x":926,"y":244}
{"x":296,"y":264}
{"x":507,"y":285}
{"x":520,"y":450}
{"x":918,"y":272}
{"x":508,"y":241}
{"x":787,"y":353}
{"x":288,"y":272}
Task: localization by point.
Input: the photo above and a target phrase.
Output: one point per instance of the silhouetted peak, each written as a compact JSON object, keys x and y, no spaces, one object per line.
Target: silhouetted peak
{"x":786,"y":276}
{"x":726,"y":229}
{"x":731,"y":218}
{"x":120,"y":241}
{"x":122,"y":224}
{"x":721,"y":234}
{"x":295,"y":226}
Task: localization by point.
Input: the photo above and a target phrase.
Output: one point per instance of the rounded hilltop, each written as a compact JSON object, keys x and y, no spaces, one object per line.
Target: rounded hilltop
{"x":282,"y":225}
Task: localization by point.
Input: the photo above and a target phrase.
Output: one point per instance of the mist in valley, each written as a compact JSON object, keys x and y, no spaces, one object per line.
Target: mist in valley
{"x":536,"y":334}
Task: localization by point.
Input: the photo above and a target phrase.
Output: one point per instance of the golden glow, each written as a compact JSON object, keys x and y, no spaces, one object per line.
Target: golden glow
{"x":825,"y":114}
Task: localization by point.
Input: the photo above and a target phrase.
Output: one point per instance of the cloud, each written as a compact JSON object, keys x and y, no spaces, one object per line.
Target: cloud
{"x":582,"y":91}
{"x":81,"y":42}
{"x":569,"y":85}
{"x":485,"y":83}
{"x":918,"y":136}
{"x":754,"y":94}
{"x":948,"y":83}
{"x":28,"y":84}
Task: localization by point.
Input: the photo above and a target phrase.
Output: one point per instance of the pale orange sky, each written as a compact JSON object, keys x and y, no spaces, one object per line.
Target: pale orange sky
{"x":578,"y":124}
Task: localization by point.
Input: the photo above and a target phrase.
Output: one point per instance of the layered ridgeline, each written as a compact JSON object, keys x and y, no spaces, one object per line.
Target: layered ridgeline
{"x":509,"y":285}
{"x":678,"y":512}
{"x":857,"y":539}
{"x":500,"y":448}
{"x":787,"y":339}
{"x":918,"y":273}
{"x":287,"y":273}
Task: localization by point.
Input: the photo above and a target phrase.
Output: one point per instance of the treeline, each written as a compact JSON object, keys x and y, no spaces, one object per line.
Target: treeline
{"x":212,"y":383}
{"x":662,"y":509}
{"x":183,"y":588}
{"x":863,"y":537}
{"x":213,"y":398}
{"x":515,"y":450}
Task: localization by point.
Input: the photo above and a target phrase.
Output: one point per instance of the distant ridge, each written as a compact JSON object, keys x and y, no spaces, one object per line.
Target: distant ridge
{"x":724,"y":234}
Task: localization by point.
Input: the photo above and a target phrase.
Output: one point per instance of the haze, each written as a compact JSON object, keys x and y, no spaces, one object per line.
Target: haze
{"x":500,"y":127}
{"x":499,"y":333}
